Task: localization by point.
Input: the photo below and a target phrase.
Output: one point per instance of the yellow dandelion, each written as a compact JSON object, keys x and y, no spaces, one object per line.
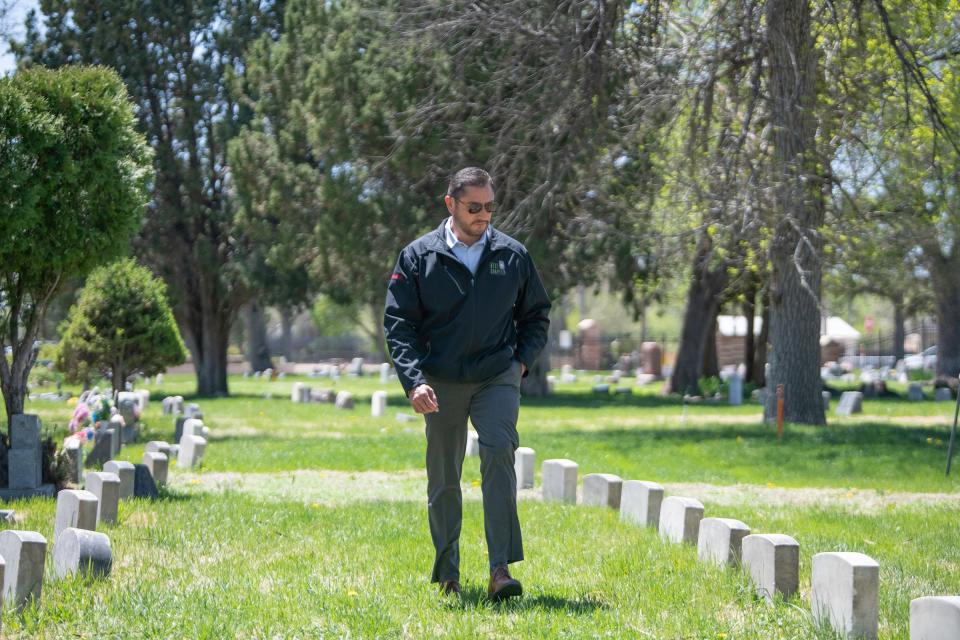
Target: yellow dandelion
{"x":352,"y":594}
{"x":475,"y":483}
{"x":849,"y":495}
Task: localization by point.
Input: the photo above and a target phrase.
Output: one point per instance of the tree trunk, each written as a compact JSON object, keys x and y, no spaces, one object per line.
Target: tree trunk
{"x":711,"y":361}
{"x":699,"y":320}
{"x":796,"y":247}
{"x":258,"y":353}
{"x":948,"y":326}
{"x":760,"y":361}
{"x":535,"y":384}
{"x":749,"y":341}
{"x":206,"y":332}
{"x":286,"y":332}
{"x":899,"y":328}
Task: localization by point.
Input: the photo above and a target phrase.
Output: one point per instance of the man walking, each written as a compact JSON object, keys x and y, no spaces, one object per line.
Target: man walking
{"x":465,"y":319}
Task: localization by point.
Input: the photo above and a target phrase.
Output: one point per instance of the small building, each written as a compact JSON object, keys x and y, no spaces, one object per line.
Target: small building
{"x":837,"y":338}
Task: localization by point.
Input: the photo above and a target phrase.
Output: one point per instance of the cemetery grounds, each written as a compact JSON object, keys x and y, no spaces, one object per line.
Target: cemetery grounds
{"x":307,"y":521}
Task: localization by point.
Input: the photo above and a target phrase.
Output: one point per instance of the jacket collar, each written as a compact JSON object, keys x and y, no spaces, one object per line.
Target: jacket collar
{"x":438,"y":240}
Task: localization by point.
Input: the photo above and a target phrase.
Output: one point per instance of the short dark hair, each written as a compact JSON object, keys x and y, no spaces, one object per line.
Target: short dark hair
{"x":467,"y":177}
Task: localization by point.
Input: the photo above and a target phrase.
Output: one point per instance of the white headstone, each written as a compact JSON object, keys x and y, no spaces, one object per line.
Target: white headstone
{"x":106,"y":487}
{"x":385,"y":373}
{"x":850,"y":402}
{"x":23,"y":553}
{"x":524,"y":459}
{"x":191,"y":451}
{"x":344,"y":400}
{"x":295,"y":392}
{"x":82,"y":551}
{"x":935,"y":618}
{"x":602,"y":490}
{"x":680,"y":519}
{"x":640,"y":503}
{"x":720,"y":540}
{"x":158,"y":446}
{"x":158,"y":465}
{"x":559,"y":479}
{"x":845,"y":590}
{"x":125,"y":473}
{"x":735,"y":390}
{"x":75,"y":508}
{"x":565,"y":340}
{"x":192,"y":427}
{"x":143,"y":396}
{"x":378,"y":403}
{"x":772,"y":560}
{"x":473,"y":443}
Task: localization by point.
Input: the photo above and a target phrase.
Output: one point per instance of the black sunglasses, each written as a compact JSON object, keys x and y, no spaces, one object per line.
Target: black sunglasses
{"x":475,"y":207}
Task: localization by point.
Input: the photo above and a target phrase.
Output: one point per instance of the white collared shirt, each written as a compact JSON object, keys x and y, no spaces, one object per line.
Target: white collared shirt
{"x":469,"y":256}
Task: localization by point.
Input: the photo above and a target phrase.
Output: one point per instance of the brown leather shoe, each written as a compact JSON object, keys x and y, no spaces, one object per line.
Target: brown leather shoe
{"x":502,"y":585}
{"x":450,"y":588}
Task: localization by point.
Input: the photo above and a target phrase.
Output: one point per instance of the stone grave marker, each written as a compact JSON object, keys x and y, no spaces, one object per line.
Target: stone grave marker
{"x":102,"y":445}
{"x":344,"y":400}
{"x":158,"y":465}
{"x":73,"y":451}
{"x":473,"y":443}
{"x":559,"y":479}
{"x":295,"y":392}
{"x":772,"y":560}
{"x":720,"y":540}
{"x":640,"y":502}
{"x":378,"y":403}
{"x":355,"y":368}
{"x":125,"y":473}
{"x":826,"y":400}
{"x":143,"y":484}
{"x":75,"y":508}
{"x":106,"y":487}
{"x":602,"y":489}
{"x":24,"y":457}
{"x":385,"y":373}
{"x":82,"y":551}
{"x":158,"y":446}
{"x":915,"y":392}
{"x":943,"y":394}
{"x":524,"y":459}
{"x":601,"y":389}
{"x":680,"y":519}
{"x":23,"y":553}
{"x":735,"y":390}
{"x":845,"y":593}
{"x":851,"y":402}
{"x":116,"y":439}
{"x":191,"y":451}
{"x":935,"y":618}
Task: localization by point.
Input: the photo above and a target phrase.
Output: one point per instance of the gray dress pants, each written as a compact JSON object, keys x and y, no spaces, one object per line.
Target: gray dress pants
{"x":492,"y":406}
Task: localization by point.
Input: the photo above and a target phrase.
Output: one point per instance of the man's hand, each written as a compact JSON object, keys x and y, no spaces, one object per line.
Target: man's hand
{"x":523,"y":369}
{"x":423,"y":399}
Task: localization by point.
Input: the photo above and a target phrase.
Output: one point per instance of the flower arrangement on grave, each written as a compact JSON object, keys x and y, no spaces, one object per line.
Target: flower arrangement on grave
{"x":92,"y":411}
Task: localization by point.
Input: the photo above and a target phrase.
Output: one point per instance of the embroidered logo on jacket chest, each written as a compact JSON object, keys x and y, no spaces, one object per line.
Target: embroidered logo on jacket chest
{"x":498,"y":268}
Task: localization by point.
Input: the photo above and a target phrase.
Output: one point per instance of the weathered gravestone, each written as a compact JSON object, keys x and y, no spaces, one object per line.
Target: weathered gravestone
{"x":355,"y":368}
{"x":385,"y":373}
{"x":524,"y":459}
{"x":191,"y":451}
{"x":720,"y":540}
{"x":772,"y":560}
{"x":680,"y":519}
{"x":75,"y":508}
{"x":23,"y":553}
{"x":473,"y":443}
{"x":24,"y":457}
{"x":102,"y":446}
{"x":844,"y":593}
{"x":116,"y":439}
{"x":640,"y":503}
{"x":602,"y":489}
{"x":344,"y":400}
{"x":378,"y":403}
{"x":826,"y":400}
{"x":915,"y":392}
{"x":106,"y":487}
{"x":735,"y":390}
{"x":851,"y":402}
{"x":128,"y":404}
{"x":73,"y":452}
{"x":158,"y":465}
{"x":943,"y":394}
{"x":82,"y":551}
{"x":601,"y":389}
{"x":143,"y":484}
{"x":295,"y":392}
{"x":125,"y":473}
{"x":559,"y":479}
{"x":158,"y":446}
{"x":935,"y":618}
{"x":178,"y":427}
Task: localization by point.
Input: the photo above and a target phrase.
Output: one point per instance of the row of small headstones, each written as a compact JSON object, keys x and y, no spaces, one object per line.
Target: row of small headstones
{"x":845,"y":585}
{"x":852,"y":401}
{"x":79,"y":547}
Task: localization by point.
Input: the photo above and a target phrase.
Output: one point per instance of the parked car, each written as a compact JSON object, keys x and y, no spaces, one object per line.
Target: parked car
{"x":926,"y":359}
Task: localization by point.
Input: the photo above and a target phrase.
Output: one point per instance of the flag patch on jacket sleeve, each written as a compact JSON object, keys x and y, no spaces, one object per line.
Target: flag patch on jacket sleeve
{"x":397,"y":276}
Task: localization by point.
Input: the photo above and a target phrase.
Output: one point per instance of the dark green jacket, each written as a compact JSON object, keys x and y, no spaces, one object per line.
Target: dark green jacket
{"x":452,"y":325}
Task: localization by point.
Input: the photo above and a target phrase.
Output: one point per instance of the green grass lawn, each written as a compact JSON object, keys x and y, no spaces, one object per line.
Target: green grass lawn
{"x":308,"y":521}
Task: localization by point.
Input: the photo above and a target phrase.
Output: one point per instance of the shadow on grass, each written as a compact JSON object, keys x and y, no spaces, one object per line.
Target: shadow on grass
{"x":474,"y":596}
